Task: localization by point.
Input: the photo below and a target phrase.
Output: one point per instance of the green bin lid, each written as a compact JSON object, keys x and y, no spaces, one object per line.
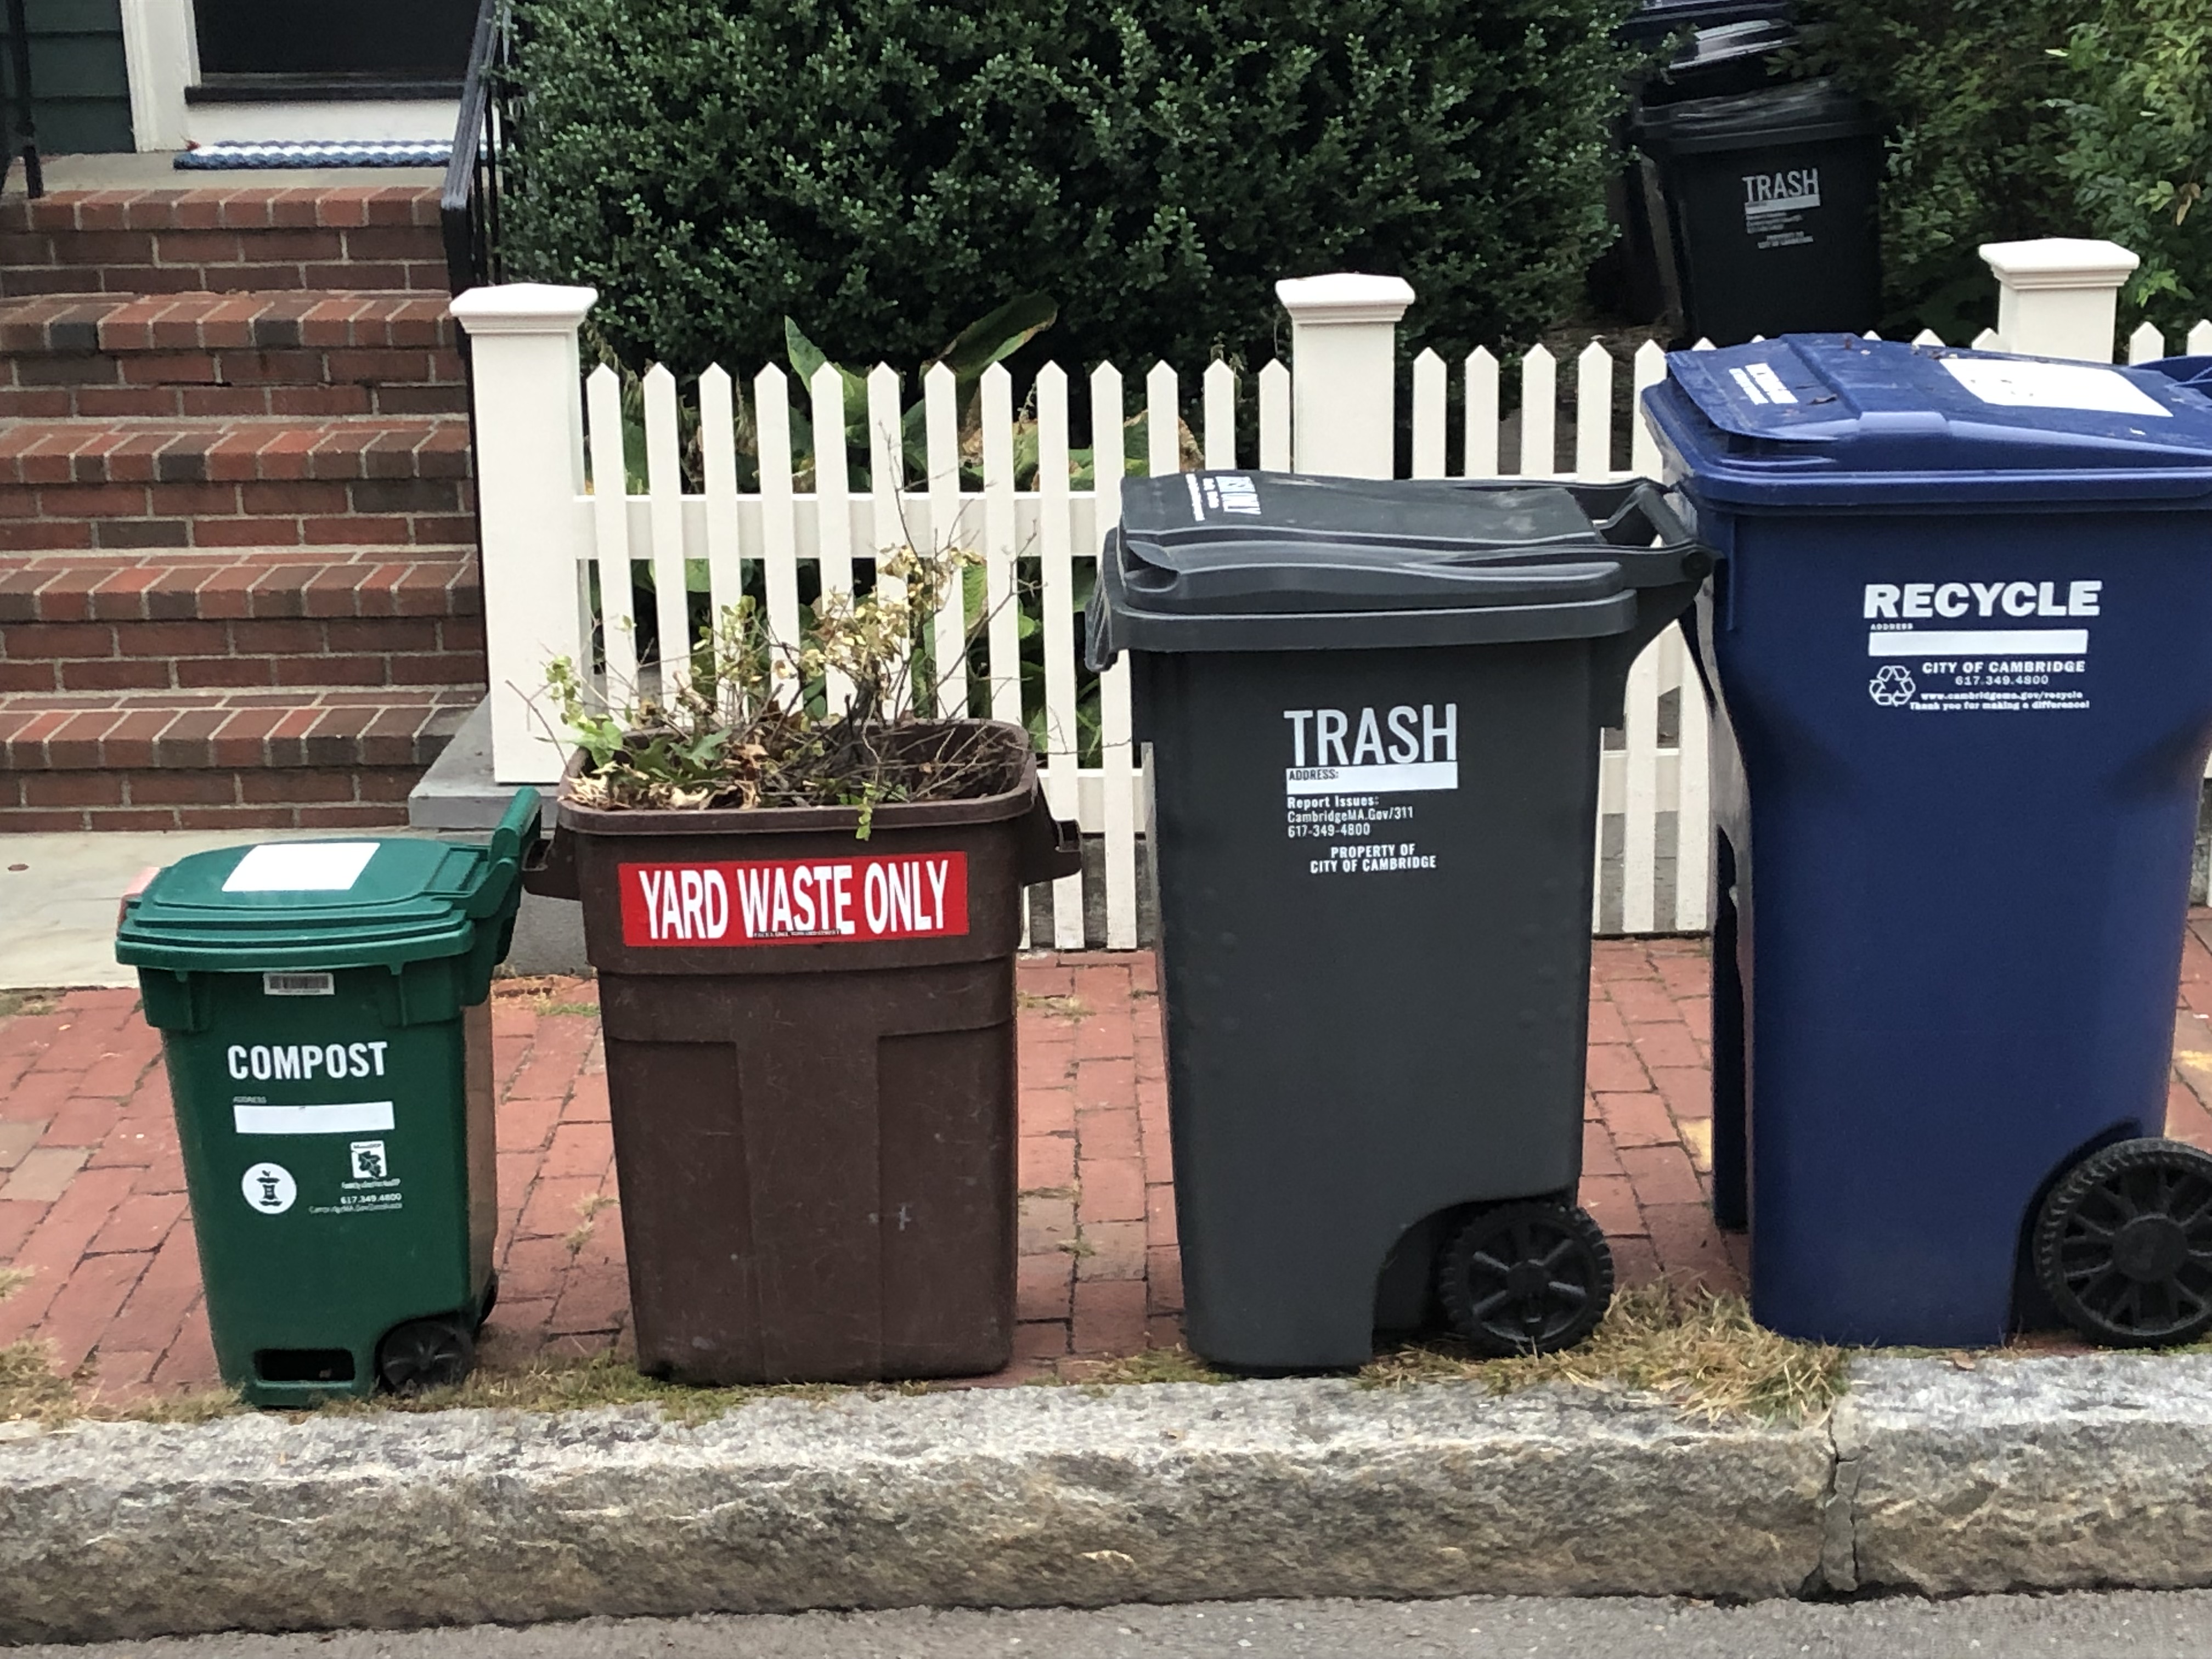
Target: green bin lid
{"x":359,"y":902}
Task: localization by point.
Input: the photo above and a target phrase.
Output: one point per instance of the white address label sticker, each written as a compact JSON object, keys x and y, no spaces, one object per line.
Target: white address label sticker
{"x":2052,"y":385}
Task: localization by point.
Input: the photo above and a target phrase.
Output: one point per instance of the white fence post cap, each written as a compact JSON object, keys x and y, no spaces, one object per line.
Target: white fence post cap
{"x":522,"y":307}
{"x":1344,"y":296}
{"x":2059,"y":262}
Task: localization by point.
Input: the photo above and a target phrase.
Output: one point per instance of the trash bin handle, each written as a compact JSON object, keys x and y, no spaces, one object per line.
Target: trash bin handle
{"x":1099,"y":647}
{"x":1049,"y":847}
{"x":1646,"y":500}
{"x":1672,"y":552}
{"x":550,"y":870}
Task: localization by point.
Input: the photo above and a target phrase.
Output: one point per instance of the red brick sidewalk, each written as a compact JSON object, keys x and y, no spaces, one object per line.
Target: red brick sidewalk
{"x":92,"y":1203}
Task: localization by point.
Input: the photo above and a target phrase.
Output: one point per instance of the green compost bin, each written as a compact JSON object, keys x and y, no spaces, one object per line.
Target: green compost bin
{"x":324,"y":1016}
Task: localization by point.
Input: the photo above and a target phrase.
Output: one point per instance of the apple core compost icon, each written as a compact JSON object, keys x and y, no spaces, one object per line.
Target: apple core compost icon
{"x":1892,"y":687}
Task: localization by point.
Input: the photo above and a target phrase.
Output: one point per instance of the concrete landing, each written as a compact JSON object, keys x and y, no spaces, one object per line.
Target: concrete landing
{"x":58,"y":894}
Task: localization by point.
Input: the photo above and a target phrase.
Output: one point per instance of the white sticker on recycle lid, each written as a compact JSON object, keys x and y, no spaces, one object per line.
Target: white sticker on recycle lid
{"x":1762,"y":385}
{"x":300,"y":866}
{"x":2053,"y":386}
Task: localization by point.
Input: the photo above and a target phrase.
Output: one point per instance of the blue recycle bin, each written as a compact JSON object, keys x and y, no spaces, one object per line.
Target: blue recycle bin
{"x":1959,"y":640}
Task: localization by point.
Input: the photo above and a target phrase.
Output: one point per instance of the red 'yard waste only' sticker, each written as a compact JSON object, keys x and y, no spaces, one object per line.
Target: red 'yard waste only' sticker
{"x":796,"y":901}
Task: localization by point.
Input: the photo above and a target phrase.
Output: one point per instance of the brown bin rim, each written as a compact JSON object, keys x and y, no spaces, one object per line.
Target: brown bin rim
{"x":803,"y":820}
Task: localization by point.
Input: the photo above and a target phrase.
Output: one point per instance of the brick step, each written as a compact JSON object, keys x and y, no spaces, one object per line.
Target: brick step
{"x":305,"y":353}
{"x":309,"y":757}
{"x":188,"y":584}
{"x":229,"y":618}
{"x":226,"y":238}
{"x":383,"y":481}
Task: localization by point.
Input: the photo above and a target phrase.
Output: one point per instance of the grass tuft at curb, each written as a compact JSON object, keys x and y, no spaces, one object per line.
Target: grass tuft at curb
{"x":604,"y":1379}
{"x":1699,"y":1350}
{"x":31,"y":1392}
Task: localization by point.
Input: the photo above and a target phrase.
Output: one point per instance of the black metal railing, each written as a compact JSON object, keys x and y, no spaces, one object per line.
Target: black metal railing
{"x":17,"y":128}
{"x":468,"y":207}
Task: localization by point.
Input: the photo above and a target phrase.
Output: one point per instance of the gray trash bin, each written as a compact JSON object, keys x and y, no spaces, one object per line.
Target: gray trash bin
{"x":1372,"y":714}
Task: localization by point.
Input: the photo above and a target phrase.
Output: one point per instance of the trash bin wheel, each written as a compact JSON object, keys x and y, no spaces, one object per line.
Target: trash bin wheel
{"x":490,"y":1300}
{"x":2123,"y":1244}
{"x":426,"y":1353}
{"x":1526,"y":1277}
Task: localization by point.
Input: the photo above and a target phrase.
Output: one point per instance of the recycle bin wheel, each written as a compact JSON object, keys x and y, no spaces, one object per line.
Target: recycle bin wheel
{"x":2123,"y":1244}
{"x":426,"y":1353}
{"x":1527,"y":1277}
{"x":491,"y":1301}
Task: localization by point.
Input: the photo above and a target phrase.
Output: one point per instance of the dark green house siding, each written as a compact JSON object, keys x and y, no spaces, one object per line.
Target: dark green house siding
{"x":81,"y":89}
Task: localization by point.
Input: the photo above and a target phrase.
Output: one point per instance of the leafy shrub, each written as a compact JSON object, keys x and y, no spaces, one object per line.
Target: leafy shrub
{"x":1967,"y":88}
{"x":888,"y":169}
{"x":2139,"y":118}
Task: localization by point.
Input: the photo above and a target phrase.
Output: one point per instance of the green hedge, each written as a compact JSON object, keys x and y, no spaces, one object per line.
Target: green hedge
{"x":886,"y":170}
{"x":2017,"y":118}
{"x":1966,"y":86}
{"x":2138,"y":117}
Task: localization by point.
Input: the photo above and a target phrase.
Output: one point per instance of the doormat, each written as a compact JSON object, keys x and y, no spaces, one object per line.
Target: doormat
{"x":244,"y":157}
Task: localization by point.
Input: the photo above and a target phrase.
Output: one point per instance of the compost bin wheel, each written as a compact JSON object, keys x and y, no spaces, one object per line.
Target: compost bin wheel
{"x":425,"y":1353}
{"x":1527,"y":1277}
{"x":2123,"y":1244}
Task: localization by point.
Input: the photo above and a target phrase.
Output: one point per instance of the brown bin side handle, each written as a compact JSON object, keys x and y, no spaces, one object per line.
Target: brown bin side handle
{"x":1050,"y":847}
{"x":549,"y":870}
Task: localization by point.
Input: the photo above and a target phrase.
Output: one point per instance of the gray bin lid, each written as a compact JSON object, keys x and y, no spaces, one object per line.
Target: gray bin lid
{"x":1261,"y":561}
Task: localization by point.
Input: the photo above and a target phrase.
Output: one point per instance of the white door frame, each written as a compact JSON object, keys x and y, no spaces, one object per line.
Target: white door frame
{"x":161,"y":55}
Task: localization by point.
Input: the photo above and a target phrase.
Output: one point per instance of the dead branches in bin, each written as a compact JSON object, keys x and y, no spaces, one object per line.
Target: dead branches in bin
{"x":751,"y":724}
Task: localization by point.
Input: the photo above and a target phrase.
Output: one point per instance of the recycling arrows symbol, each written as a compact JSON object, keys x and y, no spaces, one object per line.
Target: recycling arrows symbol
{"x":1892,"y":687}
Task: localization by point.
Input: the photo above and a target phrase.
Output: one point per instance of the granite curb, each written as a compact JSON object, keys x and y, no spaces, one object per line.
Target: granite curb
{"x":2044,"y":1474}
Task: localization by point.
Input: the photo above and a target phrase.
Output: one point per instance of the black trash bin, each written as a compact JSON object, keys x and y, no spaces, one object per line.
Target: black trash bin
{"x":1770,"y":201}
{"x":1372,"y":714}
{"x":1734,"y":51}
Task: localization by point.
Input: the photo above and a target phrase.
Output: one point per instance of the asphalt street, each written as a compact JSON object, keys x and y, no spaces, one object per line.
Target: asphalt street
{"x":2120,"y":1625}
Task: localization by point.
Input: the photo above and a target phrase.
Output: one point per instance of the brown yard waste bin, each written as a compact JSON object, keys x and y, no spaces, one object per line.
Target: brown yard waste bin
{"x":809,"y":1043}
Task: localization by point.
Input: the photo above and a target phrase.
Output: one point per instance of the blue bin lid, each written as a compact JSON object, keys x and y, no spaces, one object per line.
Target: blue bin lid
{"x":1834,"y":420}
{"x":2190,"y":371}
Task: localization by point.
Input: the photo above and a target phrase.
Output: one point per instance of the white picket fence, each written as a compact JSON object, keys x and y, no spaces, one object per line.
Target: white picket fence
{"x":2147,"y":344}
{"x":549,"y":519}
